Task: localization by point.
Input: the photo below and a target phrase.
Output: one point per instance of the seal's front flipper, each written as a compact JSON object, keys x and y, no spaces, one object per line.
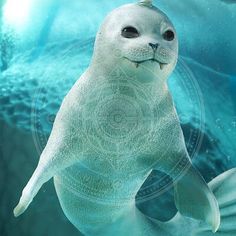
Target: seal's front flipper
{"x":38,"y":178}
{"x":55,"y":157}
{"x":194,"y":199}
{"x":223,"y":187}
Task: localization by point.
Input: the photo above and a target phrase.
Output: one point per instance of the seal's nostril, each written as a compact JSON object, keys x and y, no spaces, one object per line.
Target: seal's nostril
{"x":154,"y":46}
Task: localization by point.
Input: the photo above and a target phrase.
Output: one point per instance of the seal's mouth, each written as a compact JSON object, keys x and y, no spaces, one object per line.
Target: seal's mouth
{"x":153,"y":60}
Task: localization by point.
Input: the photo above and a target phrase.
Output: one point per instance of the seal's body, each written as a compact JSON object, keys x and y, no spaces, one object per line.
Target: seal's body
{"x":114,"y":164}
{"x":115,"y":126}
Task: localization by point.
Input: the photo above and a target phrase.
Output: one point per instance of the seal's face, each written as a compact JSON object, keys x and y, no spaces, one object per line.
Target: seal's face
{"x":140,"y":37}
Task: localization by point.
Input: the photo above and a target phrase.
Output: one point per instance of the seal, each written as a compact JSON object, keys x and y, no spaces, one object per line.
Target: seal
{"x":115,"y":126}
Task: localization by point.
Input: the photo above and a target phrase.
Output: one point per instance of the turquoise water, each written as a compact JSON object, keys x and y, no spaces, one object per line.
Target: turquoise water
{"x":44,"y":50}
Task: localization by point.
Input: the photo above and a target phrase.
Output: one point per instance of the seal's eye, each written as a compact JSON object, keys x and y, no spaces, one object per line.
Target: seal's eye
{"x":130,"y":32}
{"x":169,"y":35}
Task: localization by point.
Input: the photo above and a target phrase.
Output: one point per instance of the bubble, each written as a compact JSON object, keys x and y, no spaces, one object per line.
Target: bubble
{"x":233,"y":123}
{"x":218,"y":123}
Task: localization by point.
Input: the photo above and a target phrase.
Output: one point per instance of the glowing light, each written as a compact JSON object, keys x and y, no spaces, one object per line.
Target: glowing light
{"x":16,"y":11}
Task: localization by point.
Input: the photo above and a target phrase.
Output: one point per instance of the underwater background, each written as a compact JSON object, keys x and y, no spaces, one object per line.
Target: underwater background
{"x":45,"y":47}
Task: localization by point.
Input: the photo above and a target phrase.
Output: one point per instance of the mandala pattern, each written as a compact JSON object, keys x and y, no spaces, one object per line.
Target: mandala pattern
{"x":118,"y":122}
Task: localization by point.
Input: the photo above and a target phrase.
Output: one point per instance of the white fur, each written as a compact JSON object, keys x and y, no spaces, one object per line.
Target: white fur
{"x":116,"y":124}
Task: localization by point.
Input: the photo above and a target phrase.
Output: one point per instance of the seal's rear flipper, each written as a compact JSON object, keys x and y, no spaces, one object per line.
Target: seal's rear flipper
{"x":194,"y":199}
{"x":223,"y":187}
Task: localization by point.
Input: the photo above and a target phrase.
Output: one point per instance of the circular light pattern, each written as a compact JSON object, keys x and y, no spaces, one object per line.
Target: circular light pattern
{"x":117,"y":118}
{"x":118,"y":128}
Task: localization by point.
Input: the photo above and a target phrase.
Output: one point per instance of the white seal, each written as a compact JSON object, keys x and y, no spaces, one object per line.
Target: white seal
{"x":115,"y":126}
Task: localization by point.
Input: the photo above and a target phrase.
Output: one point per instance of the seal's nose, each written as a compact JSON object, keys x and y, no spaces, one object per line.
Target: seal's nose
{"x":154,"y":46}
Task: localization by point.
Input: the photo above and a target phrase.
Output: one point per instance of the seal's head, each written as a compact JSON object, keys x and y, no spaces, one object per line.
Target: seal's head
{"x":139,"y":37}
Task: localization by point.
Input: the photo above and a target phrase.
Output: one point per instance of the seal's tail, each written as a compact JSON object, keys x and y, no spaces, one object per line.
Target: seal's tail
{"x":224,"y":189}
